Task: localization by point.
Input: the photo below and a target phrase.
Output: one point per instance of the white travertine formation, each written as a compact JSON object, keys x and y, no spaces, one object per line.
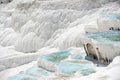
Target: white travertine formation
{"x":5,"y":1}
{"x":33,"y":28}
{"x":103,"y":47}
{"x":56,"y":23}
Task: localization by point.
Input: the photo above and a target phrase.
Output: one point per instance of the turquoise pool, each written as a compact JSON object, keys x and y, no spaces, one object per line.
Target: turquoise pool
{"x":22,"y":77}
{"x":64,"y":68}
{"x":108,"y":36}
{"x":80,"y":56}
{"x":114,"y":16}
{"x":55,"y":57}
{"x":37,"y":71}
{"x":69,"y":68}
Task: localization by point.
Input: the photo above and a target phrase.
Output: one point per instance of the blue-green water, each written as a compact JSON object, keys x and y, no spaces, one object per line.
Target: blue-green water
{"x":37,"y":71}
{"x":80,"y":56}
{"x":56,"y":57}
{"x":63,"y":68}
{"x":69,"y":68}
{"x":114,"y":16}
{"x":22,"y":77}
{"x":87,"y":71}
{"x":108,"y":36}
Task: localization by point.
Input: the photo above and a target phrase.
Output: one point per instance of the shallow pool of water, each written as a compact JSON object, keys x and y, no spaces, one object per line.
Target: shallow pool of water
{"x":37,"y":71}
{"x":22,"y":77}
{"x":80,"y":56}
{"x":56,"y":57}
{"x":69,"y":68}
{"x":108,"y":36}
{"x":114,"y":16}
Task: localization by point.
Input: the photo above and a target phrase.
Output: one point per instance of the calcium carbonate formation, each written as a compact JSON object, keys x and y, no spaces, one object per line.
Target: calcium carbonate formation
{"x":31,"y":29}
{"x":34,"y":24}
{"x":103,"y":46}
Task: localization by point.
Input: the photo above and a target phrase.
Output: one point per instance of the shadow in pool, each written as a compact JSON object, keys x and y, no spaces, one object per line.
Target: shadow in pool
{"x":97,"y":62}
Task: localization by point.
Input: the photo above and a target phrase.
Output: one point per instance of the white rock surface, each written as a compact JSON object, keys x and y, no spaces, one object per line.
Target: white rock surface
{"x":36,"y":25}
{"x":54,"y":22}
